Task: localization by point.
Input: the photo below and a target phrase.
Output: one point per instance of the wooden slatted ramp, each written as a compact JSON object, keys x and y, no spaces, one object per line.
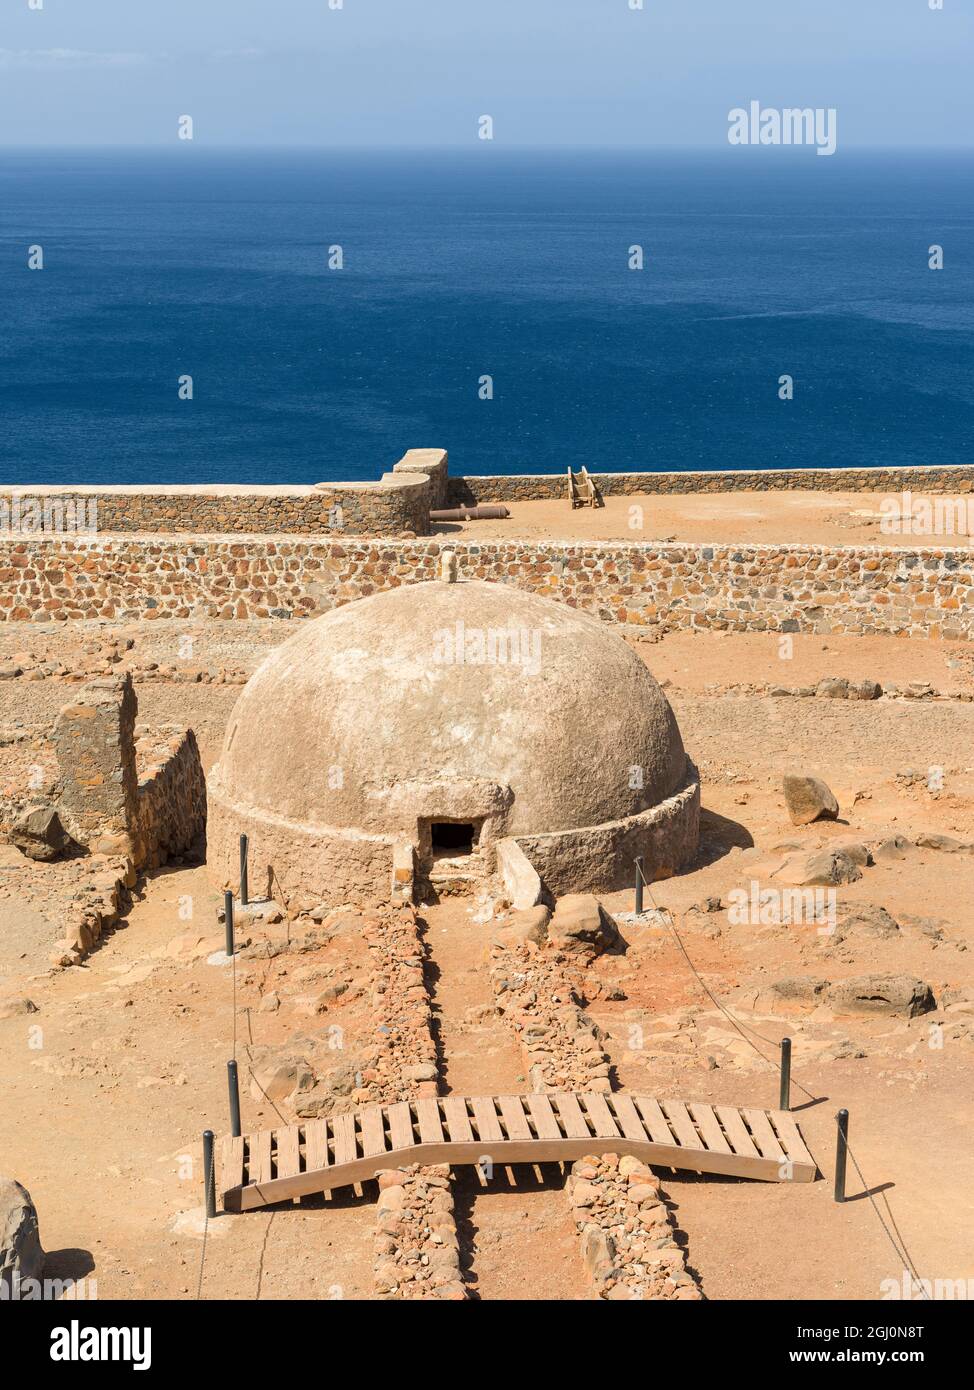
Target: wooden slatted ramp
{"x":320,"y":1155}
{"x":582,"y":491}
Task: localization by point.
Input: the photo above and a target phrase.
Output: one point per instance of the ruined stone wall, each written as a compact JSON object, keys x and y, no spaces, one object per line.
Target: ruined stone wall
{"x":101,"y":803}
{"x":922,"y":592}
{"x":531,"y":487}
{"x":171,"y":805}
{"x":94,"y":740}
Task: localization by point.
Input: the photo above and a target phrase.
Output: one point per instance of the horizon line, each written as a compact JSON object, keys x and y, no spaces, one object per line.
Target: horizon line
{"x":177,"y":146}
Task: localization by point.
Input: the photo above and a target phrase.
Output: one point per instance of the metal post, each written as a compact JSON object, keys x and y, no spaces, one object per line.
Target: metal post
{"x":228,"y":917}
{"x":209,"y":1174}
{"x":234,"y":1085}
{"x":639,"y":886}
{"x":784,"y":1098}
{"x":244,"y":894}
{"x":841,"y":1148}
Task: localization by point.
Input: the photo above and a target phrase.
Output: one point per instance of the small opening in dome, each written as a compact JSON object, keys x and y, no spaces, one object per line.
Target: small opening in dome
{"x":451,"y":837}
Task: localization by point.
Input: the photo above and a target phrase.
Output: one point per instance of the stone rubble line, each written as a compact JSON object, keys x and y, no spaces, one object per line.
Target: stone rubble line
{"x":416,"y":1250}
{"x":628,"y":1237}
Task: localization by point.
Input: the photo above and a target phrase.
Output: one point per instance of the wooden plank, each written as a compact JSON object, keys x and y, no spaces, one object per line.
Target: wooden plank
{"x":737,"y":1131}
{"x":543,"y":1115}
{"x":599,"y":1115}
{"x":260,"y":1157}
{"x":627,"y":1116}
{"x":401,"y":1125}
{"x":428,"y":1115}
{"x":288,"y":1151}
{"x":790,"y":1137}
{"x":231,"y":1172}
{"x":515,"y":1120}
{"x":373,"y":1132}
{"x":346,"y":1150}
{"x":764,"y":1135}
{"x":576,"y":1126}
{"x":457,"y":1119}
{"x":656,"y":1122}
{"x":316,"y":1146}
{"x":681,"y":1124}
{"x":709,"y":1126}
{"x":488,"y":1125}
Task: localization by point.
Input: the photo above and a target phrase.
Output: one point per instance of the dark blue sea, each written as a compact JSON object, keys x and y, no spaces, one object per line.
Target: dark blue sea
{"x":758,"y":263}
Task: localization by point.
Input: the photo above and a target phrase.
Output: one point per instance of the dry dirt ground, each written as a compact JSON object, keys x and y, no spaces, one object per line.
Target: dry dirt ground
{"x":108,"y":1086}
{"x":809,"y":518}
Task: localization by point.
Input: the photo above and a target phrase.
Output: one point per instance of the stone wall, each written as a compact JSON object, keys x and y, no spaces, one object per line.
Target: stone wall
{"x":533,"y":487}
{"x":397,"y":502}
{"x":94,"y":739}
{"x":432,"y":462}
{"x":102,"y":803}
{"x":599,"y":858}
{"x":923,"y":592}
{"x":171,"y":805}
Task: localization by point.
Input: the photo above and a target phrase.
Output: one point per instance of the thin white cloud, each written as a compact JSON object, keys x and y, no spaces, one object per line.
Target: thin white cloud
{"x":67,"y":58}
{"x":227,"y":55}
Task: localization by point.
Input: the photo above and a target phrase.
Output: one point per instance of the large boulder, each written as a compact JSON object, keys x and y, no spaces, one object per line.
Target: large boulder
{"x":39,"y":834}
{"x":530,"y":924}
{"x":808,"y":799}
{"x":947,"y":844}
{"x":864,"y":919}
{"x":825,"y":868}
{"x":897,"y":995}
{"x":579,"y":924}
{"x":799,"y":989}
{"x":20,"y":1240}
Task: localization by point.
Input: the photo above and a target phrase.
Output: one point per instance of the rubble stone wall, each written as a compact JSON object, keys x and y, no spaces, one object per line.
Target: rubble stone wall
{"x":395,"y":503}
{"x":171,"y":806}
{"x":400,"y":500}
{"x":530,"y":487}
{"x":94,"y":740}
{"x":922,"y":592}
{"x":101,"y":801}
{"x":629,"y":1243}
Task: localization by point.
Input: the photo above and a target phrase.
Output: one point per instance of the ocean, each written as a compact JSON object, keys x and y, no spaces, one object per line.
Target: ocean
{"x":758,"y":263}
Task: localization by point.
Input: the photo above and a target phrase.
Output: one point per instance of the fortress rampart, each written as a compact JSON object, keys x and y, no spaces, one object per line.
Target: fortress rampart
{"x":743,"y":588}
{"x":292,"y":552}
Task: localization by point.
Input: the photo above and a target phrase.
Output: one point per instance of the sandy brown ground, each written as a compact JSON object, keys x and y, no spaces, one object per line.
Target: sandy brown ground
{"x":103,"y":1108}
{"x":809,"y":518}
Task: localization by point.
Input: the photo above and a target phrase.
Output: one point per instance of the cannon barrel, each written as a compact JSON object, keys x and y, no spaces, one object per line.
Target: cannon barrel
{"x":490,"y":512}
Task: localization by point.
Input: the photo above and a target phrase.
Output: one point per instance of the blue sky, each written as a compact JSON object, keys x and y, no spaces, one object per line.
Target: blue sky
{"x":420,"y":72}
